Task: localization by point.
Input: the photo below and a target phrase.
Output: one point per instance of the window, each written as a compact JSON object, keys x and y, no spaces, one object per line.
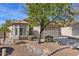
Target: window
{"x":16,"y":31}
{"x":22,"y":31}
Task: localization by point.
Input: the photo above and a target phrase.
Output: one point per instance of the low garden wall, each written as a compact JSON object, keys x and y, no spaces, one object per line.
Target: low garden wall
{"x":66,"y":31}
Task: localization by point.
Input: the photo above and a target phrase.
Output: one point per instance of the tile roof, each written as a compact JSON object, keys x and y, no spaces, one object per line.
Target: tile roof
{"x":20,"y":22}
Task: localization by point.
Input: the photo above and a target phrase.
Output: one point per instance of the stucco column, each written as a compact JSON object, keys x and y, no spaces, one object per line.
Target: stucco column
{"x":18,"y":32}
{"x":13,"y":33}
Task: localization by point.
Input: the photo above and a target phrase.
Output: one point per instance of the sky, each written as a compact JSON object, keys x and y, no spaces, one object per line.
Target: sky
{"x":11,"y":11}
{"x":15,"y":11}
{"x":76,"y":7}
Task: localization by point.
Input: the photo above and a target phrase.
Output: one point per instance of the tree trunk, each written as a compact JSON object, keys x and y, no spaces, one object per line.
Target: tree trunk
{"x":4,"y":37}
{"x":31,"y":31}
{"x":60,"y":31}
{"x":39,"y":41}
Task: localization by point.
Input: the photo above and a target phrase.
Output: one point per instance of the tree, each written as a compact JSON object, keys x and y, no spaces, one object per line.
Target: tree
{"x":4,"y":29}
{"x":44,"y":14}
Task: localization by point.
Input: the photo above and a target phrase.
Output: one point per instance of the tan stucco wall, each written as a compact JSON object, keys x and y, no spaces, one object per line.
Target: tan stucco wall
{"x":54,"y":33}
{"x":2,"y":34}
{"x":66,"y":31}
{"x":75,"y":31}
{"x":10,"y":33}
{"x":36,"y":31}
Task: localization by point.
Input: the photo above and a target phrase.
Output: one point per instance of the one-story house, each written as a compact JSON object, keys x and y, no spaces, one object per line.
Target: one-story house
{"x":19,"y":30}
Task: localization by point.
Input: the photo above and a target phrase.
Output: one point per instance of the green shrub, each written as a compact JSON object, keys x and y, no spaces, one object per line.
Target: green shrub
{"x":49,"y":38}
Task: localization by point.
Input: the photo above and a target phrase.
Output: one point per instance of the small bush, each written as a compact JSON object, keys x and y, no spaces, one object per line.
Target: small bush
{"x":31,"y":37}
{"x":49,"y":38}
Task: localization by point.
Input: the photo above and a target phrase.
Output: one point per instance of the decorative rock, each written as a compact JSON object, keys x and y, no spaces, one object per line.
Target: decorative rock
{"x":38,"y":52}
{"x":35,"y":50}
{"x":43,"y":54}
